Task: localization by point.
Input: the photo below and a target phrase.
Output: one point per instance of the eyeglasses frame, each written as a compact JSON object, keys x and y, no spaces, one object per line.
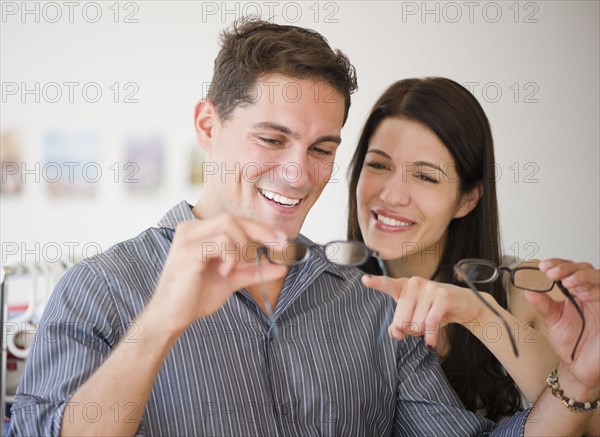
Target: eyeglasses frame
{"x":461,"y":275}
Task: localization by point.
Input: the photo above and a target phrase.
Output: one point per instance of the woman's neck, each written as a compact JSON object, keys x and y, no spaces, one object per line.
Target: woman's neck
{"x":408,"y":266}
{"x":423,"y":263}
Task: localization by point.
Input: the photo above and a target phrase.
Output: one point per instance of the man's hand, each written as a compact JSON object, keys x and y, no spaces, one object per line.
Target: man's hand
{"x":208,"y":261}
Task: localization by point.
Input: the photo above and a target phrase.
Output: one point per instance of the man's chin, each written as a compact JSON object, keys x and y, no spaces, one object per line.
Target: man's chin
{"x":290,"y":225}
{"x":291,"y":229}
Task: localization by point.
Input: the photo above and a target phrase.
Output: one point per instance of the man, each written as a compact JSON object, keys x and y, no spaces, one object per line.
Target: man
{"x":161,"y":338}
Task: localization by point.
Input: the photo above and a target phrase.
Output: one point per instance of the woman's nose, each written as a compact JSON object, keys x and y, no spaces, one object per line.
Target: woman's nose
{"x":396,"y":190}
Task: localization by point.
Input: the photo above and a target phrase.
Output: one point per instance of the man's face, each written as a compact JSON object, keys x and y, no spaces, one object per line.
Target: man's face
{"x":271,"y":159}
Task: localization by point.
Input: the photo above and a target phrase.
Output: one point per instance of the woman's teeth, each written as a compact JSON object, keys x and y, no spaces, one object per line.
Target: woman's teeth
{"x":392,"y":222}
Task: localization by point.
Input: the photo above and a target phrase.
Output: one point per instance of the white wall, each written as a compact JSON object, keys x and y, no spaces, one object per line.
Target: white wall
{"x":549,"y":49}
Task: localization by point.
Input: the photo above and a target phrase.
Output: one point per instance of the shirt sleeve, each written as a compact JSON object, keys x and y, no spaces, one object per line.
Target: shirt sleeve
{"x":76,"y":333}
{"x":427,"y":405}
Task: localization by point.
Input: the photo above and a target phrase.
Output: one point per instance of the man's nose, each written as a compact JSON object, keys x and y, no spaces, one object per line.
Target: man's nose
{"x":295,"y":168}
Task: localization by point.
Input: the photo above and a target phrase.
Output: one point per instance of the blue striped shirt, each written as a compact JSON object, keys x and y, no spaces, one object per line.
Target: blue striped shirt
{"x":328,"y":372}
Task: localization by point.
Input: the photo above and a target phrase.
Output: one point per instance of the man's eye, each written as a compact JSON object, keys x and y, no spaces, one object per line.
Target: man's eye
{"x":321,"y":151}
{"x":269,"y":140}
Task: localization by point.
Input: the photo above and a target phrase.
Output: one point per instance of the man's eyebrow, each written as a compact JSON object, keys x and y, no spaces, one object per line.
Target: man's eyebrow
{"x":295,"y":135}
{"x":329,"y":138}
{"x":277,"y":127}
{"x":432,"y":165}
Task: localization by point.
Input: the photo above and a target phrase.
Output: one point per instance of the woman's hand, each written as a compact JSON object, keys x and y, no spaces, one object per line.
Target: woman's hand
{"x":563,"y":323}
{"x":580,"y":278}
{"x":423,"y":306}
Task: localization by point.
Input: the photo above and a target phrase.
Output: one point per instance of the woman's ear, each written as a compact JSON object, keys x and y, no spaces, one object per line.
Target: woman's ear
{"x":469,"y":201}
{"x":205,"y":118}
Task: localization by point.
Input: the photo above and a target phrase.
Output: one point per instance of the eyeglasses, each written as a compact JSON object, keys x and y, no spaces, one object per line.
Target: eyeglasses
{"x":344,"y":253}
{"x":480,"y":271}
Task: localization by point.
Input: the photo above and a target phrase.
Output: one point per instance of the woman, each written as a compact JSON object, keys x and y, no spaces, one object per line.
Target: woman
{"x":422,"y":193}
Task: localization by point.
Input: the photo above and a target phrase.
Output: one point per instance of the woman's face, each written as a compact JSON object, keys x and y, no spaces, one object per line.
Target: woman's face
{"x":408,"y":191}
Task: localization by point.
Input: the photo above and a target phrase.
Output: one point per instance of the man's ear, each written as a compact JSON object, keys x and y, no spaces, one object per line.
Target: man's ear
{"x":205,"y":119}
{"x":469,"y":201}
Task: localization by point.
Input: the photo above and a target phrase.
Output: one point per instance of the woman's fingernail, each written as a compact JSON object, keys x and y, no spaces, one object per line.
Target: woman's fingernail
{"x":583,"y":294}
{"x":567,"y":282}
{"x":580,"y":290}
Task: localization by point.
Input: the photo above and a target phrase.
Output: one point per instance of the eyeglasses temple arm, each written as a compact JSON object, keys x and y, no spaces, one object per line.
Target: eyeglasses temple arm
{"x":571,"y":299}
{"x":265,"y":295}
{"x":463,"y":278}
{"x":510,"y":335}
{"x":381,"y":264}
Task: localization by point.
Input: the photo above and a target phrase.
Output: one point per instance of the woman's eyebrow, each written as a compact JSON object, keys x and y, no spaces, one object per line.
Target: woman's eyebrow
{"x":432,"y":165}
{"x":379,"y":152}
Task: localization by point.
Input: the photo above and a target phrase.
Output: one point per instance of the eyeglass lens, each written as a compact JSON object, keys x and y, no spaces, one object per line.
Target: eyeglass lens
{"x":289,"y":255}
{"x":531,"y":278}
{"x":479,"y":273}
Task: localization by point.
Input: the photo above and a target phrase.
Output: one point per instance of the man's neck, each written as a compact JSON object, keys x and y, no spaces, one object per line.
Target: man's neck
{"x":271,"y":288}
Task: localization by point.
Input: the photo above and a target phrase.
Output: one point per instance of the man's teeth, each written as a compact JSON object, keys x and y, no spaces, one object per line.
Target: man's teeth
{"x":279,"y":198}
{"x":391,"y":222}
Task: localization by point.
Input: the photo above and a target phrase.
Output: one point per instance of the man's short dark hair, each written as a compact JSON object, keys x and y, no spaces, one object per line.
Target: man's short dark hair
{"x":253,"y":47}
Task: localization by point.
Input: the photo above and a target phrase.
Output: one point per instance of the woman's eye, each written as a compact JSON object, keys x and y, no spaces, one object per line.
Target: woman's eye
{"x":426,"y":178}
{"x":376,"y":165}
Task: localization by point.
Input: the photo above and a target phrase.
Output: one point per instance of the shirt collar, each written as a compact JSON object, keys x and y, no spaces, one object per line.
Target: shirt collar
{"x":179,"y":213}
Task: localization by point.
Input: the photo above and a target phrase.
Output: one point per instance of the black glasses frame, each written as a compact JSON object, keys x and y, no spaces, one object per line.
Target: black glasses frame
{"x":305,"y":251}
{"x":462,"y":276}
